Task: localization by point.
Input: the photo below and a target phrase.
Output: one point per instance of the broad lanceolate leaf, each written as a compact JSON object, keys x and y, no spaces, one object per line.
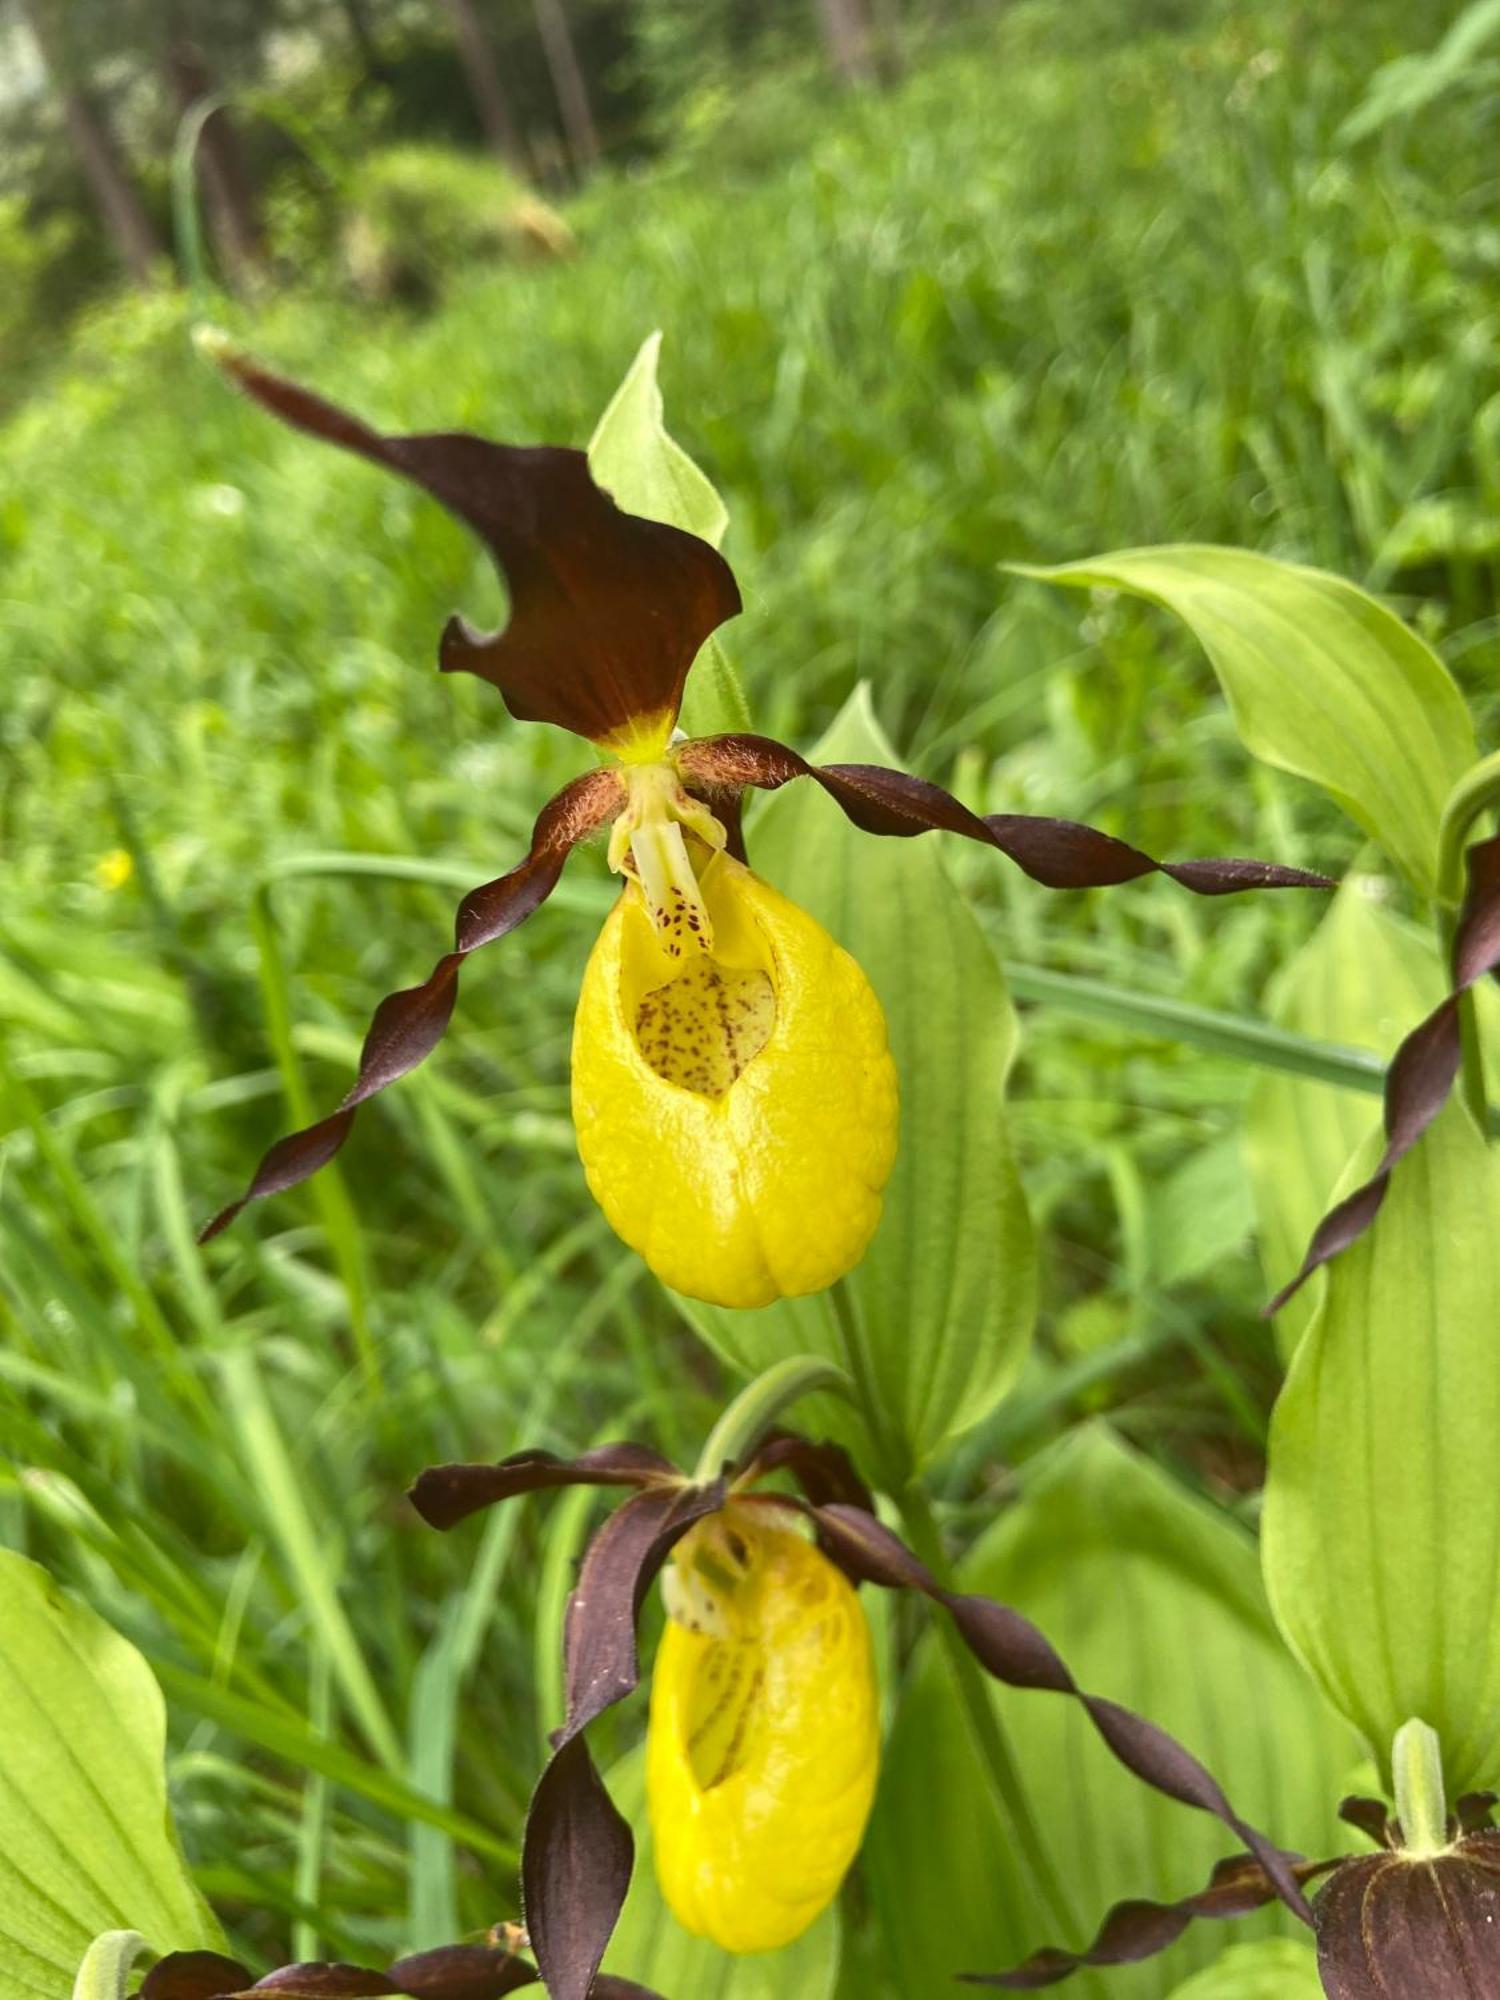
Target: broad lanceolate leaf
{"x":637,"y":461}
{"x":1321,"y":680}
{"x":607,"y":610}
{"x":944,"y":1299}
{"x":86,"y":1845}
{"x":1363,"y":979}
{"x":650,"y":1944}
{"x":1382,"y":1517}
{"x":1155,"y":1600}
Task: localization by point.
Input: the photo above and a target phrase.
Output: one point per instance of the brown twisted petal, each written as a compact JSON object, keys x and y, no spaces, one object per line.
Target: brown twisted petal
{"x":408,"y":1026}
{"x":1136,"y":1930}
{"x":193,"y":1975}
{"x":1059,"y":853}
{"x":1428,"y":1929}
{"x":607,"y":610}
{"x":444,"y":1495}
{"x":1423,"y":1070}
{"x":1012,"y":1650}
{"x":825,"y":1471}
{"x":577,"y":1853}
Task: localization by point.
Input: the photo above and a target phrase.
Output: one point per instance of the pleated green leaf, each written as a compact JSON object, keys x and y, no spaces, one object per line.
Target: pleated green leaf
{"x":86,"y":1844}
{"x":1153,"y":1598}
{"x":942,"y":1305}
{"x":634,"y":457}
{"x":1278,"y":1969}
{"x":1321,"y":679}
{"x":651,"y":1947}
{"x":1363,"y":979}
{"x":1382,"y":1515}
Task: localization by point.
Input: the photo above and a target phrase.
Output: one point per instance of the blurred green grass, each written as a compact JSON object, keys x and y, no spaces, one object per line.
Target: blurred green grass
{"x":1068,"y":288}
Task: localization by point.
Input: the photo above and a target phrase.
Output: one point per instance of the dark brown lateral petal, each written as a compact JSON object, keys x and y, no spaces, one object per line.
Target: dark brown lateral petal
{"x":408,"y":1026}
{"x":1423,"y":1070}
{"x":599,"y":1641}
{"x":1137,"y":1930}
{"x":1474,"y":1811}
{"x":825,"y":1471}
{"x":462,"y":1972}
{"x":575,"y":1871}
{"x":193,"y":1975}
{"x":607,"y":610}
{"x":324,"y":1981}
{"x":1059,"y":853}
{"x":1012,"y":1650}
{"x":1389,"y":1925}
{"x":1370,"y":1817}
{"x":444,"y":1495}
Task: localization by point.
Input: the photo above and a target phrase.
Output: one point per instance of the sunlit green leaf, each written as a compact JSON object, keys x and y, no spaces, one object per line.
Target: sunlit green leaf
{"x":1152,"y":1597}
{"x":1363,"y":979}
{"x":1321,"y":680}
{"x":86,"y":1844}
{"x":651,"y":1947}
{"x":1275,"y":1969}
{"x":1382,"y":1518}
{"x":944,"y":1299}
{"x":634,"y":457}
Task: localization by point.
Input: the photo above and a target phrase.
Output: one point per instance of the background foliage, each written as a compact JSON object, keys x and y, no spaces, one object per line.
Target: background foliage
{"x":1084,"y":277}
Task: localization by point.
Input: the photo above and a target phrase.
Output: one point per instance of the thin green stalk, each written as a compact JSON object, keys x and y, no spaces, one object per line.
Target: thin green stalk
{"x":312,"y":1834}
{"x":1007,"y":1789}
{"x":758,"y":1405}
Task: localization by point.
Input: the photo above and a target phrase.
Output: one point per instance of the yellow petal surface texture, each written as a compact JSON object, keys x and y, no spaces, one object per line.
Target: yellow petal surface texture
{"x":736,"y":1108}
{"x":764,"y":1744}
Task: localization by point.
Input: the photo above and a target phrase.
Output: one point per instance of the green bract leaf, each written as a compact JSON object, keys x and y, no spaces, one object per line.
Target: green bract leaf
{"x":652,"y":1948}
{"x":86,"y":1844}
{"x":106,"y":1966}
{"x":1362,"y":979}
{"x":944,"y":1299}
{"x":1321,"y":680}
{"x":1154,"y":1599}
{"x":1382,"y":1519}
{"x":635,"y":458}
{"x":1277,"y":1969}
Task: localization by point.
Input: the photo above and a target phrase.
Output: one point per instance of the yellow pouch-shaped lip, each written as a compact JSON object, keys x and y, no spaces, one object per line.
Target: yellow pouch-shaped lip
{"x":763,"y":1746}
{"x":736,"y":1112}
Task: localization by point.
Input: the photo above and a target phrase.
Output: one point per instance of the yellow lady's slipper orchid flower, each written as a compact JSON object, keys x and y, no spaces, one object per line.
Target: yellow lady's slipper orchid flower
{"x":736,"y":1106}
{"x":764,"y":1739}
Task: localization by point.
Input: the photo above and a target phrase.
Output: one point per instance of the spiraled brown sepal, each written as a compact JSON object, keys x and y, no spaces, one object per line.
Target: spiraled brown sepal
{"x":607,"y":610}
{"x":407,"y":1026}
{"x":1391,"y":1925}
{"x":1423,"y":1069}
{"x":1059,"y":853}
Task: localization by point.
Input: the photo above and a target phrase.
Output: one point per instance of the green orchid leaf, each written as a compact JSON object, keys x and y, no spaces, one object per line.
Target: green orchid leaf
{"x":634,"y":457}
{"x":1278,"y":1969}
{"x":1362,"y":980}
{"x":106,"y":1966}
{"x":651,"y":1947}
{"x":86,"y":1842}
{"x":941,"y":1308}
{"x":1321,"y":680}
{"x":1153,"y":1598}
{"x":1382,"y":1511}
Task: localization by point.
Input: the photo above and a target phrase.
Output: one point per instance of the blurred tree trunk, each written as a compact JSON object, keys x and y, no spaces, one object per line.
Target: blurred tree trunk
{"x":847,"y":38}
{"x":361,"y":28}
{"x":128,"y":226}
{"x":567,"y":81}
{"x":490,"y":100}
{"x":229,"y":197}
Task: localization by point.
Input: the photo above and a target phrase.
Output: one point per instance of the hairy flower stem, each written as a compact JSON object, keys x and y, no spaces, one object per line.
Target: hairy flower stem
{"x":758,"y":1405}
{"x":1022,"y":1835}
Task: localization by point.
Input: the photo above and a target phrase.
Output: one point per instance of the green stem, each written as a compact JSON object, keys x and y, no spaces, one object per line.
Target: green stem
{"x":758,"y":1405}
{"x":1021,"y":1833}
